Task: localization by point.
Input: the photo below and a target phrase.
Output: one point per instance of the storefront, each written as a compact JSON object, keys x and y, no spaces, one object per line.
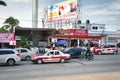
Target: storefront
{"x":75,"y":36}
{"x":7,"y":40}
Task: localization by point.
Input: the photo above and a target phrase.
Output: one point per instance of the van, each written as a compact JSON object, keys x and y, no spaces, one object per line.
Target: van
{"x":9,"y":56}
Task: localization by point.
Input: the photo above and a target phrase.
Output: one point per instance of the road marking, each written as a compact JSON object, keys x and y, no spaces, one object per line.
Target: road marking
{"x":12,"y":70}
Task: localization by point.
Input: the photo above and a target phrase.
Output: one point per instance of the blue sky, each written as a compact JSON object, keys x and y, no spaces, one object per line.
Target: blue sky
{"x":97,"y":11}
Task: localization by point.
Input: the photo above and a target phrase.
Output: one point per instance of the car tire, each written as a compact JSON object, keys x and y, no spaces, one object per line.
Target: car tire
{"x":99,"y":52}
{"x":27,"y":58}
{"x":62,"y":60}
{"x":114,"y":52}
{"x":91,"y":57}
{"x":11,"y":62}
{"x":39,"y":62}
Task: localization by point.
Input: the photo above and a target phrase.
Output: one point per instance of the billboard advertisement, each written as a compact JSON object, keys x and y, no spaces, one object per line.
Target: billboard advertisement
{"x":6,"y":37}
{"x":63,"y":10}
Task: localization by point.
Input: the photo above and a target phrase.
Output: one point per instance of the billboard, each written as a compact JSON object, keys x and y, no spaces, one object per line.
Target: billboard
{"x":63,"y":10}
{"x":6,"y":37}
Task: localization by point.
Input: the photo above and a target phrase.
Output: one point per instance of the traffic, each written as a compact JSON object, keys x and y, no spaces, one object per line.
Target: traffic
{"x":38,"y":56}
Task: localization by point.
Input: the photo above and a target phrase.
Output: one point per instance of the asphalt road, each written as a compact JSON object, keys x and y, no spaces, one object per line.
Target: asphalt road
{"x":25,"y":70}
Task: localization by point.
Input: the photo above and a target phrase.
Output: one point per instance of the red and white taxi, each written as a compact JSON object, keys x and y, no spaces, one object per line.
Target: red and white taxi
{"x":107,"y":48}
{"x":51,"y":56}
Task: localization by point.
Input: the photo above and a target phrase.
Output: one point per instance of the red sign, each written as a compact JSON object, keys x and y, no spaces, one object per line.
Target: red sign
{"x":80,"y":32}
{"x":6,"y":37}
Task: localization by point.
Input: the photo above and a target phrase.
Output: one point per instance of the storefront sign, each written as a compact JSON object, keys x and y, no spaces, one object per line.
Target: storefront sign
{"x":81,"y":32}
{"x":6,"y":37}
{"x":12,"y":43}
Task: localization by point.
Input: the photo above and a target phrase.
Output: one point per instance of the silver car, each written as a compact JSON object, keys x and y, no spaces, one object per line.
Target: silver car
{"x":25,"y":53}
{"x":9,"y":56}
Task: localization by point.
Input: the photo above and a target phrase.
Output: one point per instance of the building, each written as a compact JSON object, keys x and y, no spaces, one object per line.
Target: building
{"x":76,"y":33}
{"x":40,"y":36}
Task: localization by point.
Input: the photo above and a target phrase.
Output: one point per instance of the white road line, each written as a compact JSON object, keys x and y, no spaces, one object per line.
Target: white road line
{"x":11,"y":70}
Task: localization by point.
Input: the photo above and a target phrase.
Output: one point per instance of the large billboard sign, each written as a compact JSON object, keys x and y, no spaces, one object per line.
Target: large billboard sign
{"x":6,"y":37}
{"x":63,"y":10}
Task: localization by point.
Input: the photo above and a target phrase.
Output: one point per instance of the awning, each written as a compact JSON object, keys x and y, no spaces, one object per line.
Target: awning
{"x":61,"y":36}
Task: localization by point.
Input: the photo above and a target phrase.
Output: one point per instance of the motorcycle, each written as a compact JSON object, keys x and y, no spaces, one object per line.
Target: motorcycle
{"x":86,"y":55}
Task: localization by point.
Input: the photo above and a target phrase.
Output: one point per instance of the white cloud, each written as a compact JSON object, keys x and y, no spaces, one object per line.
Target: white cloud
{"x":115,"y":5}
{"x":103,"y":9}
{"x":101,"y":12}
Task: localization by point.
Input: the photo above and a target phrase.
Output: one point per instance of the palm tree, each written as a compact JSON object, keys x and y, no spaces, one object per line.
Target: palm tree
{"x":11,"y":23}
{"x":2,"y":3}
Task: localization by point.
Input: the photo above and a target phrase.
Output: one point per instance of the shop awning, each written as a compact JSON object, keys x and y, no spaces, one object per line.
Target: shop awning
{"x":61,"y":36}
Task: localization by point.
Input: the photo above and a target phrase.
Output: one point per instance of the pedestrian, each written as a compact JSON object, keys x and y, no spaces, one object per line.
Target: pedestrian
{"x":88,"y":53}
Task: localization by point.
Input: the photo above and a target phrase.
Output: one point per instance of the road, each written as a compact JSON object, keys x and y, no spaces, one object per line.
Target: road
{"x":25,"y":70}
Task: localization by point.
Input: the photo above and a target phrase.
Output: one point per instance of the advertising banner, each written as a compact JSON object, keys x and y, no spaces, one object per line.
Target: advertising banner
{"x":80,"y":32}
{"x":12,"y":43}
{"x":63,"y":10}
{"x":6,"y":37}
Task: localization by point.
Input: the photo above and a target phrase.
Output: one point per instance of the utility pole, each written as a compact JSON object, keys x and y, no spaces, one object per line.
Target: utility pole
{"x":35,"y":13}
{"x":78,"y":17}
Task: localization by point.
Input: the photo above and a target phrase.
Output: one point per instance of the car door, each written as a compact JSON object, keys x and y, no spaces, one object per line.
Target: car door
{"x":23,"y":53}
{"x":72,"y":52}
{"x":111,"y":48}
{"x":2,"y":56}
{"x":105,"y":49}
{"x":77,"y":52}
{"x":48,"y":57}
{"x":56,"y":56}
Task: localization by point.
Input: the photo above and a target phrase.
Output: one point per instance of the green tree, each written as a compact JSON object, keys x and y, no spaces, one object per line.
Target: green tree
{"x":2,"y":3}
{"x":3,"y":30}
{"x":24,"y":39}
{"x":10,"y":24}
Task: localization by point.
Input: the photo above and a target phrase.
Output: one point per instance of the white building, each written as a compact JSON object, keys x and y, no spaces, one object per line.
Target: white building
{"x":110,"y":37}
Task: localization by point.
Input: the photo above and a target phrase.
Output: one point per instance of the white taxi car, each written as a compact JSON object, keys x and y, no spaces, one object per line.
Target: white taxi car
{"x":25,"y":53}
{"x":51,"y":56}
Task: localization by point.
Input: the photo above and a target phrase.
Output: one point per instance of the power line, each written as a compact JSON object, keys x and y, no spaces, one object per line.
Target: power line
{"x":20,"y":19}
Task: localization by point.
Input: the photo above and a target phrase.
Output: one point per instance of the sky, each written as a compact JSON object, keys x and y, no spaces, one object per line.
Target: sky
{"x":97,"y":11}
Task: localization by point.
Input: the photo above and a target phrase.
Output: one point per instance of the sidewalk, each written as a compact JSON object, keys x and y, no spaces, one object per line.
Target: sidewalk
{"x":94,"y":76}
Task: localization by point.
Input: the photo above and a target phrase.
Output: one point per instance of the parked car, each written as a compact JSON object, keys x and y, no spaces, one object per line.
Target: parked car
{"x":9,"y":56}
{"x":105,"y":49}
{"x":25,"y":53}
{"x":74,"y":52}
{"x":51,"y":56}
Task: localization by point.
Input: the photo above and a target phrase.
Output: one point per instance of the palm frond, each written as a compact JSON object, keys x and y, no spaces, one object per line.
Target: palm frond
{"x":3,"y":3}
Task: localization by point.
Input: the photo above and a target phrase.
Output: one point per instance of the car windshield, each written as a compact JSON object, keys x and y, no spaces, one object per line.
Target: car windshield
{"x":66,"y":49}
